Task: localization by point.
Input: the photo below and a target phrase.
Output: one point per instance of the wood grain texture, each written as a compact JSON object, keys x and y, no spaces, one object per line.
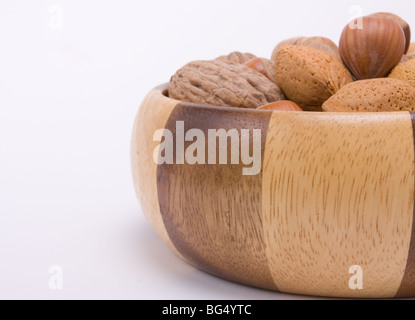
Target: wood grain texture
{"x":407,"y":288}
{"x":335,"y":190}
{"x":338,"y":190}
{"x":152,"y":115}
{"x":213,"y":214}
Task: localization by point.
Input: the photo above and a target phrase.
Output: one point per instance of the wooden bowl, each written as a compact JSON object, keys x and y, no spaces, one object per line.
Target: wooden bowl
{"x":331,"y":213}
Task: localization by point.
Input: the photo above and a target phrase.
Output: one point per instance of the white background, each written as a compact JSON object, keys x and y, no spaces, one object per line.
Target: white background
{"x":68,"y":98}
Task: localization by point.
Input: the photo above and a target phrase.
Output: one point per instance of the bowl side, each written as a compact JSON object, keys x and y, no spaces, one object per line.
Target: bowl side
{"x":338,"y":193}
{"x":335,"y":192}
{"x":152,"y":116}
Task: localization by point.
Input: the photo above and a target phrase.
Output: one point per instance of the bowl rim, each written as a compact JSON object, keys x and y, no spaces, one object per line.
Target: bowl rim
{"x":163,"y":90}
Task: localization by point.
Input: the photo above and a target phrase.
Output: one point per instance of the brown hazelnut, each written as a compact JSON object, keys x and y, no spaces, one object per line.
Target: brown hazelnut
{"x":404,"y":25}
{"x":263,"y":66}
{"x":283,"y":105}
{"x":372,"y":52}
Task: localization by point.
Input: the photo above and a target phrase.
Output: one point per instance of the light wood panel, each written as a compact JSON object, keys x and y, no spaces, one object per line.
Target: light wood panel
{"x":407,"y":288}
{"x":338,"y":191}
{"x":152,"y":115}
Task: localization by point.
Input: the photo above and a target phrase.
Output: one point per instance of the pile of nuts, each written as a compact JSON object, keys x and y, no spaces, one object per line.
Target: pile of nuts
{"x":372,"y":70}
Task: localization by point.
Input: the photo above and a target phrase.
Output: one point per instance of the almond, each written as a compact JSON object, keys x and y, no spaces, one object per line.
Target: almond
{"x":309,"y":76}
{"x":411,"y":48}
{"x":282,"y":44}
{"x":373,"y":95}
{"x":322,"y":44}
{"x":405,"y":71}
{"x":319,"y":43}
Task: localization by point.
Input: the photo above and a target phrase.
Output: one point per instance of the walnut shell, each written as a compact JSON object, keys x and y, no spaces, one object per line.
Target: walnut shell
{"x":373,"y":95}
{"x":237,"y":57}
{"x":405,"y":71}
{"x":309,"y":76}
{"x":223,"y":84}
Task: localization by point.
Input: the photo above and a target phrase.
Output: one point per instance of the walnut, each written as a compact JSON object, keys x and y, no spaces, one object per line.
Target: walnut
{"x":223,"y":84}
{"x":237,"y":57}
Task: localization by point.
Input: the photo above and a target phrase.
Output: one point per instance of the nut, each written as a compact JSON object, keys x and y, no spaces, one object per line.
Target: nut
{"x":309,"y":76}
{"x":282,"y":44}
{"x":283,"y":105}
{"x":405,"y":71}
{"x":407,"y":57}
{"x":223,"y":84}
{"x":237,"y":57}
{"x":404,"y":25}
{"x":258,"y":65}
{"x":373,"y":95}
{"x":411,"y":48}
{"x":264,"y":66}
{"x":319,"y":43}
{"x":372,"y":52}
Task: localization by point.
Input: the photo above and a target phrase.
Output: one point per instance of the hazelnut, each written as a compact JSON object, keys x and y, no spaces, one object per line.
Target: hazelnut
{"x":372,"y":52}
{"x":283,"y":105}
{"x":404,"y":25}
{"x":258,"y":65}
{"x":263,"y":66}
